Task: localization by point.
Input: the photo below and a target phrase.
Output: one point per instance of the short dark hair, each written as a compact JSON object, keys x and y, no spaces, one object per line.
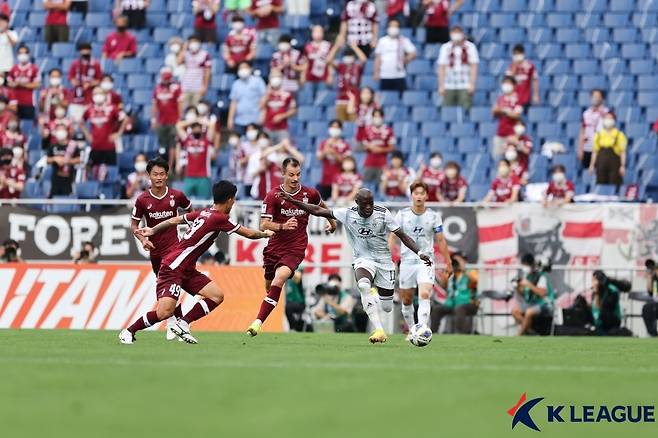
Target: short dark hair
{"x":598,"y":90}
{"x":436,"y":154}
{"x":418,"y":184}
{"x":334,"y":277}
{"x":159,"y":162}
{"x":53,"y":70}
{"x":518,"y":49}
{"x":511,"y":79}
{"x":4,"y":17}
{"x":21,"y":47}
{"x":394,"y":20}
{"x":559,"y":167}
{"x":453,"y":164}
{"x":285,"y":38}
{"x":222,"y":191}
{"x":247,"y":63}
{"x":336,"y":121}
{"x":84,"y":46}
{"x":528,"y":259}
{"x":397,"y":154}
{"x":290,"y":161}
{"x":237,"y":17}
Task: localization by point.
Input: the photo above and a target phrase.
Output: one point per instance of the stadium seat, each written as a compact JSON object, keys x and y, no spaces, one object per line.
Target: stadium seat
{"x":87,"y":190}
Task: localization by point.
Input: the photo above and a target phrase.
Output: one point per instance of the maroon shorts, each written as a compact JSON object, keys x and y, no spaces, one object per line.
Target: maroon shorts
{"x":273,"y":260}
{"x":172,"y":281}
{"x":155,"y":264}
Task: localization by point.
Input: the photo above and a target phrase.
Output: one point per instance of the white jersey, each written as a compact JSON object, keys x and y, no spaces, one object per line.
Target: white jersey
{"x":368,"y":235}
{"x":422,"y":229}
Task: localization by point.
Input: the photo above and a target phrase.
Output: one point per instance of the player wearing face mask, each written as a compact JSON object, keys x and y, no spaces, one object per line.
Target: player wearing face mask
{"x":63,"y":156}
{"x":505,"y":187}
{"x":432,"y":175}
{"x":239,"y":45}
{"x":609,"y":153}
{"x":23,"y":78}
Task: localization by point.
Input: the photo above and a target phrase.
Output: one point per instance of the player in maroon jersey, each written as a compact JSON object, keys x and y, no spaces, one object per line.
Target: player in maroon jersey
{"x":178,"y":270}
{"x":286,"y":250}
{"x":156,"y":205}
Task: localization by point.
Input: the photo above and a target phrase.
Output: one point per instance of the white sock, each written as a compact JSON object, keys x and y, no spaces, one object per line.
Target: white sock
{"x":386,"y":303}
{"x":369,"y":302}
{"x":424,"y":308}
{"x":408,"y":314}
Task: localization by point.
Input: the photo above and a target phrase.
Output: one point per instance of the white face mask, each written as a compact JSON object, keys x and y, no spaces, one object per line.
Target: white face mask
{"x":174,"y":48}
{"x":275,"y":82}
{"x":140,"y":166}
{"x":558,"y":177}
{"x":335,"y":132}
{"x":60,"y":113}
{"x":435,"y":162}
{"x":23,"y":58}
{"x":237,"y":26}
{"x":377,"y":121}
{"x":263,"y":143}
{"x":244,"y":73}
{"x":511,"y":155}
{"x":526,"y":269}
{"x":284,"y":47}
{"x":2,"y":80}
{"x":2,"y":106}
{"x":456,"y":37}
{"x":107,"y":85}
{"x":18,"y":152}
{"x":251,"y":135}
{"x":609,"y":123}
{"x":234,"y":141}
{"x":507,"y":88}
{"x":519,"y":130}
{"x":519,"y":57}
{"x":61,"y":134}
{"x":190,"y":117}
{"x":55,"y":81}
{"x":194,"y":46}
{"x":202,"y":110}
{"x":451,"y":173}
{"x":98,"y":99}
{"x":348,"y":60}
{"x":393,"y":32}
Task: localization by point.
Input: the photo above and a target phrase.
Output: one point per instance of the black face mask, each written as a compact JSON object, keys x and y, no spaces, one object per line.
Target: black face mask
{"x":85,"y":56}
{"x":122,"y":28}
{"x":5,"y":162}
{"x":196,"y":135}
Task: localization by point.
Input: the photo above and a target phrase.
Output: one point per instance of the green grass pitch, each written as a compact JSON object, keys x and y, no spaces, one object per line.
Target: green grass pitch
{"x":84,"y":384}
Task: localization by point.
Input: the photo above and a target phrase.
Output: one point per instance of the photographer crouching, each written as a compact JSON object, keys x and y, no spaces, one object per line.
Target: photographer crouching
{"x":535,"y":296}
{"x":10,"y":252}
{"x":335,"y":304}
{"x":650,"y":310}
{"x":606,"y":310}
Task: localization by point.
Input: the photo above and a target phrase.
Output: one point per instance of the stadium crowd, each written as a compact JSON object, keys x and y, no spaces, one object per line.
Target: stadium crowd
{"x":82,"y":121}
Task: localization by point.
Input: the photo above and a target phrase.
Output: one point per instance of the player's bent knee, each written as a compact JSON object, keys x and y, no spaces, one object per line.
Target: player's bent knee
{"x":364,"y":284}
{"x":165,"y":308}
{"x":387,"y":306}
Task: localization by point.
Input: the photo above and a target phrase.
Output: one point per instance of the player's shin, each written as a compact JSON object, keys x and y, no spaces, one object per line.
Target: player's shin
{"x":200,"y":309}
{"x":369,"y":302}
{"x":145,"y":321}
{"x":424,"y":309}
{"x":269,"y":303}
{"x":408,"y":314}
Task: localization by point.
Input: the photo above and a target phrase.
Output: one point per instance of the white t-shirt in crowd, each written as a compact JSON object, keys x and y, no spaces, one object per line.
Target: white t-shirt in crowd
{"x":392,"y":52}
{"x":7,"y":50}
{"x":458,"y":72}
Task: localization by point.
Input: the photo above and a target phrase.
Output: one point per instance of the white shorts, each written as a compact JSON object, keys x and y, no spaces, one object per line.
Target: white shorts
{"x":411,"y":275}
{"x":384,"y":275}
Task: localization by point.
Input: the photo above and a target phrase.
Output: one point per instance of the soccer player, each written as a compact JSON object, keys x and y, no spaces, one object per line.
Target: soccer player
{"x":368,"y":226}
{"x":286,"y":250}
{"x":156,"y":205}
{"x":426,"y":228}
{"x":178,"y":270}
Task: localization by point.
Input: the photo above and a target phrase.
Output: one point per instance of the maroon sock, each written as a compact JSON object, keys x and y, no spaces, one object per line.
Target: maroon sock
{"x":200,"y":309}
{"x":144,"y":321}
{"x":269,"y":303}
{"x":178,"y":312}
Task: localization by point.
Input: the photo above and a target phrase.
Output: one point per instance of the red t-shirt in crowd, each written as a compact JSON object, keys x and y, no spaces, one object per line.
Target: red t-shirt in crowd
{"x":50,"y":97}
{"x":331,"y":167}
{"x":437,"y":13}
{"x":450,"y":189}
{"x":10,"y":139}
{"x":85,"y":72}
{"x":393,"y":177}
{"x":166,"y":98}
{"x":205,"y":226}
{"x":198,"y":152}
{"x":118,"y":42}
{"x":524,"y":73}
{"x":346,"y":183}
{"x":519,"y":170}
{"x":394,"y":7}
{"x":285,"y":61}
{"x":270,"y":178}
{"x":24,"y":74}
{"x":349,"y":79}
{"x":505,"y":123}
{"x":53,"y":123}
{"x":432,"y":177}
{"x":381,"y":137}
{"x":239,"y":44}
{"x":57,"y":17}
{"x":364,"y":117}
{"x":104,"y":121}
{"x":157,"y":210}
{"x":8,"y":93}
{"x":206,"y":20}
{"x":316,"y":55}
{"x":278,"y":102}
{"x":279,"y":211}
{"x":14,"y":174}
{"x":271,"y":21}
{"x":502,"y":188}
{"x":560,"y":191}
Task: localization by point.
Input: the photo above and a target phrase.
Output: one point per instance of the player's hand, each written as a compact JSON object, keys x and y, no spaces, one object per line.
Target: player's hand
{"x":268,"y":234}
{"x":448,"y":270}
{"x":144,"y":232}
{"x":290,"y":224}
{"x":147,"y":245}
{"x":425,"y":258}
{"x":284,"y":195}
{"x":330,"y":228}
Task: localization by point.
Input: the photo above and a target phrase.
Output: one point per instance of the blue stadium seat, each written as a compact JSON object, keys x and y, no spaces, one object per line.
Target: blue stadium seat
{"x":625,"y":35}
{"x":469,"y":145}
{"x":556,"y":67}
{"x":559,"y":20}
{"x":595,"y":5}
{"x":480,"y":114}
{"x":614,"y":19}
{"x":87,"y":190}
{"x":465,"y":129}
{"x":589,"y":82}
{"x":131,"y":65}
{"x":512,"y":35}
{"x":597,"y":34}
{"x":422,"y":114}
{"x":586,"y":66}
{"x":514,"y":5}
{"x":613,"y":67}
{"x":432,"y":129}
{"x":502,"y":20}
{"x":577,"y":51}
{"x":452,"y":114}
{"x":565,"y":83}
{"x":622,"y":6}
{"x":604,"y":190}
{"x":568,"y":35}
{"x":547,"y":51}
{"x":633,"y":51}
{"x":98,"y":19}
{"x":420,"y":66}
{"x":477,"y":192}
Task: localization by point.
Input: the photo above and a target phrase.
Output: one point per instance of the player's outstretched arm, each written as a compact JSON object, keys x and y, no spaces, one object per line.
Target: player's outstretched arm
{"x":146,"y":231}
{"x":315,"y":210}
{"x":251,"y":234}
{"x":409,"y":243}
{"x":441,"y":243}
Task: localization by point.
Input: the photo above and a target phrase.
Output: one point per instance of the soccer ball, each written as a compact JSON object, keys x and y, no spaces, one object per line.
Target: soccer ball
{"x":421,"y":335}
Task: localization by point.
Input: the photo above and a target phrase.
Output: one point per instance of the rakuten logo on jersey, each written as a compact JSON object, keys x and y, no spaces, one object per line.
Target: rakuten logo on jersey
{"x":292,"y":212}
{"x":161,"y":214}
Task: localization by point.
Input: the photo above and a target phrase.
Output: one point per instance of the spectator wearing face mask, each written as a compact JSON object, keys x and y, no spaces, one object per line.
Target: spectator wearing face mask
{"x":12,"y":177}
{"x":360,"y":25}
{"x":347,"y":183}
{"x":175,"y":45}
{"x":437,"y":19}
{"x":592,"y":122}
{"x":277,"y":106}
{"x":196,"y":77}
{"x":134,"y":11}
{"x":239,"y":45}
{"x":195,"y":153}
{"x":379,"y":141}
{"x":106,"y":126}
{"x":166,"y":109}
{"x":349,"y":71}
{"x":505,"y":187}
{"x":517,"y":168}
{"x":392,"y":54}
{"x":7,"y":111}
{"x":453,"y":186}
{"x":205,"y":19}
{"x":107,"y":85}
{"x":432,"y":175}
{"x":265,"y":164}
{"x":609,"y":153}
{"x":458,"y":70}
{"x":12,"y":137}
{"x":331,"y":153}
{"x":508,"y":111}
{"x":207,"y":118}
{"x":48,"y":125}
{"x":360,"y":108}
{"x":318,"y":55}
{"x":56,"y":29}
{"x":246,"y":94}
{"x":23,"y":78}
{"x":247,"y":146}
{"x":291,"y":63}
{"x":266,"y":13}
{"x":84,"y":74}
{"x":138,"y":181}
{"x":121,"y":43}
{"x":521,"y":142}
{"x":54,"y":95}
{"x":560,"y":190}
{"x":394,"y":185}
{"x":63,"y":156}
{"x":8,"y":40}
{"x":525,"y":74}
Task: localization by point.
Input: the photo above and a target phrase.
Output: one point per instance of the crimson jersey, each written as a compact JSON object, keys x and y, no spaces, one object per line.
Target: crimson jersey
{"x":331,"y":167}
{"x":560,"y":191}
{"x":316,"y":55}
{"x":346,"y":183}
{"x":432,"y":177}
{"x":50,"y":97}
{"x":238,"y":44}
{"x":278,"y":210}
{"x":393,"y":178}
{"x":205,"y":226}
{"x":156,"y":210}
{"x":524,"y":72}
{"x":380,"y":137}
{"x":349,"y":79}
{"x":24,"y":74}
{"x":270,"y":21}
{"x":503,"y":187}
{"x":277,"y":102}
{"x":364,"y":118}
{"x":506,"y":124}
{"x":9,"y":139}
{"x":85,"y":72}
{"x":285,"y":61}
{"x":450,"y":189}
{"x":104,"y":121}
{"x":198,"y":155}
{"x":166,"y":98}
{"x":11,"y":173}
{"x":437,"y":13}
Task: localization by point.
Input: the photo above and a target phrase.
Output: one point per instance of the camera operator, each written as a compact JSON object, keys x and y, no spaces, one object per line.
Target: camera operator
{"x":535,"y":295}
{"x":88,"y":254}
{"x":606,"y":309}
{"x":462,"y":300}
{"x":10,"y":252}
{"x":650,"y":310}
{"x":335,"y":304}
{"x":296,"y":301}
